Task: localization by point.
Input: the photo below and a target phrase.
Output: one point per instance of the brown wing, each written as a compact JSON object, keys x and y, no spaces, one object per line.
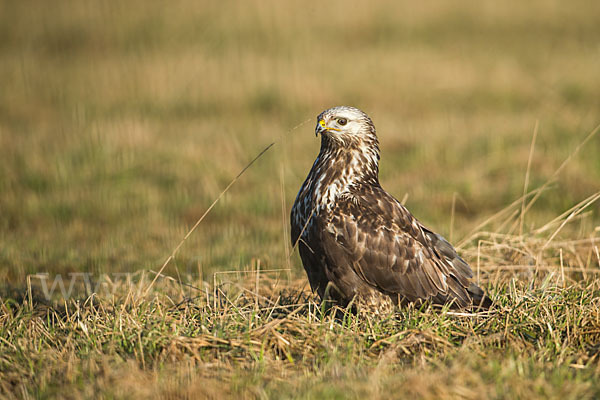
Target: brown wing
{"x":305,"y":237}
{"x":391,"y":251}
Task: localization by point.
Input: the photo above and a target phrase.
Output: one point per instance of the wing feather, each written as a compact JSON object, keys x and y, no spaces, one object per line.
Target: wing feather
{"x":391,"y":251}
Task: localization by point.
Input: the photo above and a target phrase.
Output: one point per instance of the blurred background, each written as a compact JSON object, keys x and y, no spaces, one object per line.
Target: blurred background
{"x":120,"y":122}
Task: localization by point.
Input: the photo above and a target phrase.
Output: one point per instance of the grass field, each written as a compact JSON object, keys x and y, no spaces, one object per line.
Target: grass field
{"x":120,"y":124}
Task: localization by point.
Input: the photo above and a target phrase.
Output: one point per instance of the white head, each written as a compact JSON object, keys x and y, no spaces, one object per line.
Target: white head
{"x":345,"y":126}
{"x":349,"y":145}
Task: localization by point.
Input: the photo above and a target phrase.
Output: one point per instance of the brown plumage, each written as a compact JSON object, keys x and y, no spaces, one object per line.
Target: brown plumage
{"x":356,"y":241}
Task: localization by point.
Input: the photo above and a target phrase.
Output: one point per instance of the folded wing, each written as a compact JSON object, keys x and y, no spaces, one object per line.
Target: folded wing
{"x":391,"y":251}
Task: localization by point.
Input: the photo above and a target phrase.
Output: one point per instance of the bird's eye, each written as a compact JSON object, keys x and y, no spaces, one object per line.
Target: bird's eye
{"x":342,"y":121}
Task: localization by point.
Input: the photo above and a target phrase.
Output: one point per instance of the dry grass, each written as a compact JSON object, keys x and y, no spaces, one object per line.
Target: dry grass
{"x":120,"y":124}
{"x":258,"y":333}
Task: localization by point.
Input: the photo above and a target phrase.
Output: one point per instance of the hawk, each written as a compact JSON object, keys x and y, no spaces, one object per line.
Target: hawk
{"x":358,"y":244}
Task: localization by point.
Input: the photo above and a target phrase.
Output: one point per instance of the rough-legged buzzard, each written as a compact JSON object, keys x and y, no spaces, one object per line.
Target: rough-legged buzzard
{"x":356,"y":241}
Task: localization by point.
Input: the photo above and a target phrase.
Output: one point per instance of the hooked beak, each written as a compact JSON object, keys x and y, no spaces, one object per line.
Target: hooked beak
{"x":320,"y":127}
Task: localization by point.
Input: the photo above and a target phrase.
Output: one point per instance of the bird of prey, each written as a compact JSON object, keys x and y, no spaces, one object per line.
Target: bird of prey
{"x":358,"y":244}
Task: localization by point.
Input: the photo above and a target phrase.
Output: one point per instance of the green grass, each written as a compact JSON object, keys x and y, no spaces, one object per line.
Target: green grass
{"x":121,"y":123}
{"x":540,"y":340}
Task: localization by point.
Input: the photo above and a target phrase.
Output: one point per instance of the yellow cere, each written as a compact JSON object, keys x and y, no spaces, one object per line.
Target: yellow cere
{"x":322,"y":123}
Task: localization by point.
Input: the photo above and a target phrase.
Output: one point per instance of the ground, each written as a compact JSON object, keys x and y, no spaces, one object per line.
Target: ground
{"x":121,"y":123}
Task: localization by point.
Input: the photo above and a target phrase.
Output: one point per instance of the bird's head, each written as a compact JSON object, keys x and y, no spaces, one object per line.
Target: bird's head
{"x":348,"y":137}
{"x":345,"y":126}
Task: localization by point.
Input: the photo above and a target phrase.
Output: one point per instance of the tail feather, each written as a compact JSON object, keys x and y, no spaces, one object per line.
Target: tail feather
{"x":479,"y":298}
